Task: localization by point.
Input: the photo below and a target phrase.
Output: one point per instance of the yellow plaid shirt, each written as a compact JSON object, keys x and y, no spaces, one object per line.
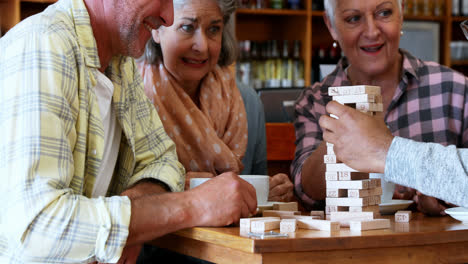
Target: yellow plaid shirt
{"x":51,"y":142}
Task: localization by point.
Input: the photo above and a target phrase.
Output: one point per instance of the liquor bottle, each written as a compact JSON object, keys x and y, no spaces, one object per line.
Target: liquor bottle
{"x":244,"y":63}
{"x":286,"y":67}
{"x":298,"y":66}
{"x":258,"y":76}
{"x":276,"y":65}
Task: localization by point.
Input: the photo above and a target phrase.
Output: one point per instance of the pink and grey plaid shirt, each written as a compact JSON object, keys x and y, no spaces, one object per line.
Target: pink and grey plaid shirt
{"x":429,"y":106}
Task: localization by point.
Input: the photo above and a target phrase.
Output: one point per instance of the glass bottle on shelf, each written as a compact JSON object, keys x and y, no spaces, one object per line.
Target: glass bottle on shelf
{"x":286,"y":67}
{"x":245,"y":63}
{"x":276,"y":4}
{"x":257,"y":68}
{"x":276,"y":65}
{"x":298,"y":66}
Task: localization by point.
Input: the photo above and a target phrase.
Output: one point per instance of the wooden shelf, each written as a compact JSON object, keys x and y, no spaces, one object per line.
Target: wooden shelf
{"x":460,"y":63}
{"x":39,"y":1}
{"x":425,"y":18}
{"x":275,"y":12}
{"x":459,"y":18}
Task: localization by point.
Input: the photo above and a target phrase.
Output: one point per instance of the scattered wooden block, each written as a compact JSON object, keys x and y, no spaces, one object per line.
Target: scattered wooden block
{"x":403,"y":216}
{"x":369,"y":224}
{"x":347,"y":201}
{"x":323,"y":225}
{"x":352,"y":176}
{"x":264,"y":225}
{"x":335,"y":193}
{"x":350,"y":99}
{"x":321,"y":214}
{"x":329,"y":159}
{"x":339,"y":167}
{"x":300,"y":217}
{"x":345,"y":217}
{"x":334,"y":208}
{"x":244,"y":223}
{"x":354,"y":89}
{"x":288,"y":225}
{"x":277,"y":213}
{"x":291,"y":206}
{"x":358,"y":184}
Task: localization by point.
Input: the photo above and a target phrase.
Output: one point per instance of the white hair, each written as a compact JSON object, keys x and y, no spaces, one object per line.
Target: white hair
{"x":330,"y":6}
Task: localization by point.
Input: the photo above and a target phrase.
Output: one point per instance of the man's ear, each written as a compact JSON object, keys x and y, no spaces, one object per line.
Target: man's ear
{"x":329,"y":26}
{"x":155,"y":33}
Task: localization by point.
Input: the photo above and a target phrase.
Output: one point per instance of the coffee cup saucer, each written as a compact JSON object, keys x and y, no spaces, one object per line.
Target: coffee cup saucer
{"x":392,"y":206}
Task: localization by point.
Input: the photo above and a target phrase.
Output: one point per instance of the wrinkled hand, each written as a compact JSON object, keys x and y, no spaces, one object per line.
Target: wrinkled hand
{"x":403,"y":193}
{"x":430,"y":205}
{"x":223,"y":200}
{"x":192,"y":174}
{"x":281,"y":188}
{"x":360,"y":141}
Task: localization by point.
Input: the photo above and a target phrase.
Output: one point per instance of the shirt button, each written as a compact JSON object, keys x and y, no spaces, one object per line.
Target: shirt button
{"x":94,"y":151}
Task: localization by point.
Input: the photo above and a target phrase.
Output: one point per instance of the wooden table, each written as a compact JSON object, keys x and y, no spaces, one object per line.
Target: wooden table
{"x":422,"y":240}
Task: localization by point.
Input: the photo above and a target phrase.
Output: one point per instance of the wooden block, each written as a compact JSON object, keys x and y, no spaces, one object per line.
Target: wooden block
{"x":372,"y":183}
{"x":403,"y":216}
{"x":350,"y":99}
{"x":352,"y":176}
{"x":264,"y":225}
{"x":358,"y":193}
{"x":321,"y":214}
{"x":375,"y":191}
{"x":369,"y":224}
{"x":335,"y":193}
{"x":299,"y":217}
{"x":345,"y":217}
{"x":334,"y":208}
{"x":329,"y":144}
{"x":339,"y":167}
{"x":369,"y":107}
{"x":354,"y":89}
{"x":330,"y":151}
{"x":374,"y":200}
{"x":323,"y":225}
{"x":367,"y":113}
{"x":376,"y":182}
{"x":277,"y":213}
{"x":291,"y":206}
{"x":244,"y":223}
{"x":370,"y":208}
{"x":359,"y":184}
{"x":347,"y":201}
{"x":331,"y":176}
{"x":288,"y":225}
{"x":329,"y":159}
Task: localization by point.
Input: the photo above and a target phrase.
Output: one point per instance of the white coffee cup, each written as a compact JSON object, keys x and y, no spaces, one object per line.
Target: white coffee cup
{"x":387,"y":187}
{"x":261,"y":183}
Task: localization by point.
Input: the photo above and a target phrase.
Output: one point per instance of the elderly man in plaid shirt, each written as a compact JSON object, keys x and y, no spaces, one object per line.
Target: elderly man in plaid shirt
{"x":86,"y":165}
{"x":423,"y":101}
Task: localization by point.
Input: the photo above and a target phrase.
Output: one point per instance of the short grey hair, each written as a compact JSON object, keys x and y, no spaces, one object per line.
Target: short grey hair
{"x":330,"y":6}
{"x":228,"y":54}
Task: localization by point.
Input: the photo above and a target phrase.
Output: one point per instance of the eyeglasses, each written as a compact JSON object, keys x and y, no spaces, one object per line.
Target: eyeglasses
{"x":464,"y":27}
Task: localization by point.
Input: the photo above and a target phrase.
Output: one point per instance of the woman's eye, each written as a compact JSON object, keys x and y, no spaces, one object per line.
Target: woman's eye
{"x":386,"y":13}
{"x":353,"y":19}
{"x":187,"y":28}
{"x":214,"y":29}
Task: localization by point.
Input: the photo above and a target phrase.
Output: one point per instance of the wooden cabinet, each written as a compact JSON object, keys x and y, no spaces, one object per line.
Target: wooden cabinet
{"x":307,"y":26}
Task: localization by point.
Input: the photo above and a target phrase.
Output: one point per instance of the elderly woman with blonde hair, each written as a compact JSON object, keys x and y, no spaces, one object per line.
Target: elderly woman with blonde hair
{"x":423,"y":101}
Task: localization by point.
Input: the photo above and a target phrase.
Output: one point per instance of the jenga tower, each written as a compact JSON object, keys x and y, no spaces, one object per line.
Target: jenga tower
{"x":351,"y":195}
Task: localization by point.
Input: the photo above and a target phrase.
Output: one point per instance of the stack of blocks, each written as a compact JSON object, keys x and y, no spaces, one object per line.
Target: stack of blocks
{"x":352,"y":198}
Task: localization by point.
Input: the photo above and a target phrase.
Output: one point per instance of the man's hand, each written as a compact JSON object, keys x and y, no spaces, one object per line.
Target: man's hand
{"x":222,"y":200}
{"x":360,"y":141}
{"x":192,"y":174}
{"x":281,"y":188}
{"x":430,"y":205}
